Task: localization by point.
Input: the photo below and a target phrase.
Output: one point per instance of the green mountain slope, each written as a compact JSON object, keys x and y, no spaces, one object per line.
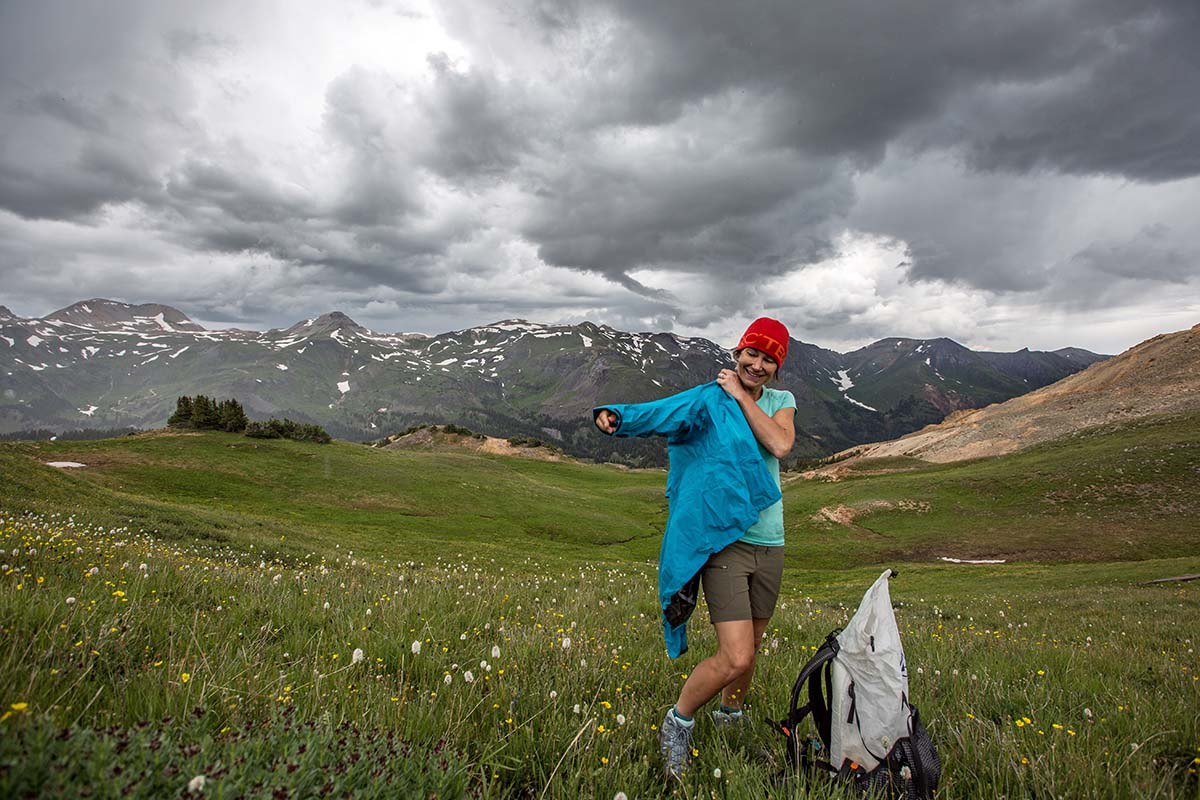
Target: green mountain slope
{"x":1126,"y":492}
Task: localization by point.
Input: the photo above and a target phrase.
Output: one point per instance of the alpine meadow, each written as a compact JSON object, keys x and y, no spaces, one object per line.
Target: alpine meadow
{"x":194,"y":614}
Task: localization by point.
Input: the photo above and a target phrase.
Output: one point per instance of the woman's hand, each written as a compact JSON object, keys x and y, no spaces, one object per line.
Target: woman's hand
{"x":606,"y":421}
{"x":728,"y":380}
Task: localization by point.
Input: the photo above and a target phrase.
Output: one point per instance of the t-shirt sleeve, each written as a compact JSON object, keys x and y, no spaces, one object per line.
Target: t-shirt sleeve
{"x":786,"y":400}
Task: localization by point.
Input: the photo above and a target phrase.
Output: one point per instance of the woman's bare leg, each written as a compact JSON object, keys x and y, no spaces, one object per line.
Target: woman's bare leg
{"x":737,"y":643}
{"x":733,"y":694}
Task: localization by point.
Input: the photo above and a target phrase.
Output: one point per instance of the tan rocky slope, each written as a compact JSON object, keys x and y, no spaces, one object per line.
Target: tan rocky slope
{"x":1158,"y":376}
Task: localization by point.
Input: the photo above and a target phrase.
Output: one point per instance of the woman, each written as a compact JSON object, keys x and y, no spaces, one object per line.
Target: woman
{"x":741,"y":581}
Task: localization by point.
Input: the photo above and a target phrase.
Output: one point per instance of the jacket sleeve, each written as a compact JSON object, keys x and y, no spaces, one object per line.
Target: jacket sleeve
{"x":674,"y":417}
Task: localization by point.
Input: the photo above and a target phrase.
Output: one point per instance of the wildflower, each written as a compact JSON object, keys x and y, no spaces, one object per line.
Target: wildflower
{"x":717,"y":773}
{"x":469,"y":676}
{"x":599,"y":729}
{"x":357,"y":656}
{"x":1020,"y":723}
{"x":70,"y":601}
{"x":196,"y":784}
{"x":326,"y":605}
{"x":118,"y":593}
{"x":185,"y":677}
{"x":495,"y":651}
{"x":20,"y":707}
{"x":416,"y":648}
{"x":448,"y":679}
{"x":576,"y":708}
{"x":553,"y":694}
{"x":1041,"y":672}
{"x":604,"y":760}
{"x":566,"y":643}
{"x":94,"y":571}
{"x":620,"y":796}
{"x":620,"y":719}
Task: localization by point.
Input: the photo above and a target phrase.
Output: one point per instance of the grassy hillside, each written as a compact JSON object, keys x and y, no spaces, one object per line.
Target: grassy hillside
{"x":192,"y":605}
{"x":295,"y":498}
{"x":1115,"y":493}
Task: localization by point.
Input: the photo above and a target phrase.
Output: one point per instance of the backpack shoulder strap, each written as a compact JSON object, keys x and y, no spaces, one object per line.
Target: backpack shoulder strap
{"x":810,"y":676}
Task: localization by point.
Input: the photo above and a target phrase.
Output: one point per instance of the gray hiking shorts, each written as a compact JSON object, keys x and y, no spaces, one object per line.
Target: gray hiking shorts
{"x":742,"y":582}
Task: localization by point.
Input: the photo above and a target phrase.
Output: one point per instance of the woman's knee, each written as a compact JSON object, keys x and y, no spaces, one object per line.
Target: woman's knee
{"x":738,"y":661}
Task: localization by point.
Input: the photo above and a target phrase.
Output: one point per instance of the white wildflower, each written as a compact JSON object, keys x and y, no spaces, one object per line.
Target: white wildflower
{"x":416,"y":648}
{"x":94,"y":571}
{"x":326,"y":606}
{"x":357,"y":656}
{"x":717,"y":773}
{"x":495,"y":651}
{"x":448,"y":679}
{"x":469,"y":676}
{"x":620,"y":719}
{"x":576,"y":708}
{"x":553,"y":694}
{"x":620,"y":796}
{"x":566,"y":643}
{"x":196,"y":784}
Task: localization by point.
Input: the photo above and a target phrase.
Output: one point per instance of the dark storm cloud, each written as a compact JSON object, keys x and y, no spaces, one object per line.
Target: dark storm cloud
{"x":1091,"y":86}
{"x":705,"y":146}
{"x":479,"y":126}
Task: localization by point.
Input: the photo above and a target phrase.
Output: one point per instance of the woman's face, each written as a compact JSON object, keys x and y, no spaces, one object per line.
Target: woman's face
{"x":755,"y":369}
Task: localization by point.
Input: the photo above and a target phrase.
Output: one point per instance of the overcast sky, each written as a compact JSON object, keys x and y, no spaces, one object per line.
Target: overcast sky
{"x":1006,"y":174}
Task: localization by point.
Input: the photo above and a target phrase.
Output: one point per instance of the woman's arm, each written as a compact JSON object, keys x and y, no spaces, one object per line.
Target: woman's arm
{"x":778,"y":433}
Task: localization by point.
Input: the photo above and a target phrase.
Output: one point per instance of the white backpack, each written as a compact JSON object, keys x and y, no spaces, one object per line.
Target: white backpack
{"x":857,"y":686}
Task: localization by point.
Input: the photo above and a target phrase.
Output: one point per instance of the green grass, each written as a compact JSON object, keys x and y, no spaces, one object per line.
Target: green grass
{"x":266,"y":568}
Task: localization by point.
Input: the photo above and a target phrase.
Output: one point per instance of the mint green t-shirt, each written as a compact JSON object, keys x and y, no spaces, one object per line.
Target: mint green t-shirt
{"x":768,"y":531}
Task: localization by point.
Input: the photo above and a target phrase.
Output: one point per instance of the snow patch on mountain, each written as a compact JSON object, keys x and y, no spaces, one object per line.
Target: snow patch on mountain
{"x":844,"y":384}
{"x":34,"y":340}
{"x":343,"y":386}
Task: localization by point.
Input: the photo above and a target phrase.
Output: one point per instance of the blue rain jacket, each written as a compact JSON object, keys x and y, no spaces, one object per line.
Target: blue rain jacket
{"x":716,"y":486}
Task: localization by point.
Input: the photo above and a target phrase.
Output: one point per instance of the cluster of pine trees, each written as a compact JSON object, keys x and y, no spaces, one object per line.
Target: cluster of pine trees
{"x":206,"y":414}
{"x":286,"y":429}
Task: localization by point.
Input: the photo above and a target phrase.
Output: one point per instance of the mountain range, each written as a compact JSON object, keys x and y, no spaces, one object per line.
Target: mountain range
{"x":106,"y":364}
{"x":1159,"y":376}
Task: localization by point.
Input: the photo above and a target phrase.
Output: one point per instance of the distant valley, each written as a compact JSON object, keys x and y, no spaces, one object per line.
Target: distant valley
{"x":104,"y":364}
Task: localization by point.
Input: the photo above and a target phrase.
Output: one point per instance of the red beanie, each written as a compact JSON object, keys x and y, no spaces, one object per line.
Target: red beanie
{"x":766,"y":335}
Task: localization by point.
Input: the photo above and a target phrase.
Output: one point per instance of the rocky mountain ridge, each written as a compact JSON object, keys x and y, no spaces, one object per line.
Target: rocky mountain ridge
{"x":1158,"y":376}
{"x":104,"y":364}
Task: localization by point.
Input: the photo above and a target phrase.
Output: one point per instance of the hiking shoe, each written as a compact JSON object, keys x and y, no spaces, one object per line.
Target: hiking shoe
{"x":725,"y":719}
{"x":675,"y":743}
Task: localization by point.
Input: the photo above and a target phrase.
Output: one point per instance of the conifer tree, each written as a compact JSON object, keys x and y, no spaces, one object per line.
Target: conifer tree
{"x":204,"y":413}
{"x":231,"y":416}
{"x":183,"y":413}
